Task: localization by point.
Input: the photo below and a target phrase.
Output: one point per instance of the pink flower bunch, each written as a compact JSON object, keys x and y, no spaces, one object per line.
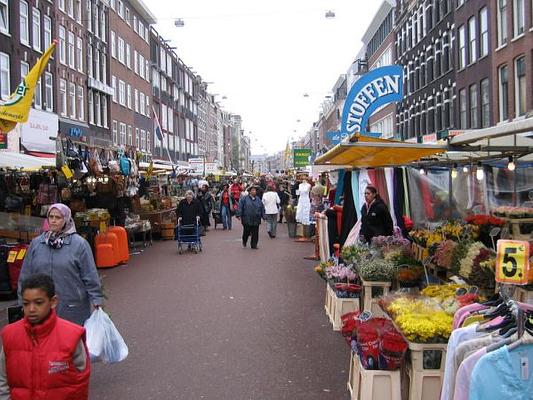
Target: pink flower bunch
{"x":341,"y":273}
{"x":444,"y":254}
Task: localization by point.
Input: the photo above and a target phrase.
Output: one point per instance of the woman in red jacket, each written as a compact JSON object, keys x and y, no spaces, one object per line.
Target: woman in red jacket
{"x":43,"y":356}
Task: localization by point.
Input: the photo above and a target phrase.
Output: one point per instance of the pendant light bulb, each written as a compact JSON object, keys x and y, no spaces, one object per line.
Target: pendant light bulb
{"x":480,"y":174}
{"x":511,"y":166}
{"x":465,"y":169}
{"x":454,"y":171}
{"x":422,"y":171}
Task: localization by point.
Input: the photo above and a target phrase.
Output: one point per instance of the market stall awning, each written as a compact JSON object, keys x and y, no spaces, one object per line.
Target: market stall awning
{"x":18,"y":160}
{"x":364,"y":151}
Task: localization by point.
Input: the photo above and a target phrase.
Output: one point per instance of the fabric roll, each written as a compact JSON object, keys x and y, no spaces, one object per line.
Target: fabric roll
{"x":389,"y":179}
{"x":340,"y":187}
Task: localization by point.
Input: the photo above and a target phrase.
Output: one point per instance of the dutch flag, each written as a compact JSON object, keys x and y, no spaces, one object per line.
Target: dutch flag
{"x":158,"y":130}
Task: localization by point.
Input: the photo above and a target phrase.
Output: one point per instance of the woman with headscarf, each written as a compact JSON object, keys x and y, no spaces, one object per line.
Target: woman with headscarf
{"x":376,"y":219}
{"x":68,"y":259}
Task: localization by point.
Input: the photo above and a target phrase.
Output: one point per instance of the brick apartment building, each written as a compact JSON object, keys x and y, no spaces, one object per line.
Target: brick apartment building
{"x":132,"y":125}
{"x":511,"y":36}
{"x":424,"y":46}
{"x":379,"y":42}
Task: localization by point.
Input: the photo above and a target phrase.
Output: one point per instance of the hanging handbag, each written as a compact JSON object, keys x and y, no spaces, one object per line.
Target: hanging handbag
{"x":113,"y":165}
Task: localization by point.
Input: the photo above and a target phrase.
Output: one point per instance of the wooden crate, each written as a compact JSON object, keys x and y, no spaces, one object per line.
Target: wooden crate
{"x":372,"y":384}
{"x":370,"y":303}
{"x":425,"y":383}
{"x":336,"y":307}
{"x":328,"y":304}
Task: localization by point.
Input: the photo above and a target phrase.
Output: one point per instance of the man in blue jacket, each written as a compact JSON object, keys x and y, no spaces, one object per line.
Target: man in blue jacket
{"x":251,"y":210}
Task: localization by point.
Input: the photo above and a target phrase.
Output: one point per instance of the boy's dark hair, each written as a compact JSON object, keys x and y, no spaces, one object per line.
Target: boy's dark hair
{"x":39,"y":281}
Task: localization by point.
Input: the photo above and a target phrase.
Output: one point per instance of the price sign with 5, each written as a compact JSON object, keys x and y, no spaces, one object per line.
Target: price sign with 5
{"x":512,"y":262}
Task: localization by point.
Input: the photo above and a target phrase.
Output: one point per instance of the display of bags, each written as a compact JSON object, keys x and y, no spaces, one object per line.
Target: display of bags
{"x":47,"y":194}
{"x":125,"y":165}
{"x":104,"y":341}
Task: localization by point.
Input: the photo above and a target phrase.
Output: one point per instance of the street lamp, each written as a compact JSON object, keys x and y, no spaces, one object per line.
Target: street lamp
{"x":179,"y":23}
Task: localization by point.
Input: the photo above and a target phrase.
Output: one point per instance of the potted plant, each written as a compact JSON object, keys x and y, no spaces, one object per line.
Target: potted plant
{"x":290,"y":216}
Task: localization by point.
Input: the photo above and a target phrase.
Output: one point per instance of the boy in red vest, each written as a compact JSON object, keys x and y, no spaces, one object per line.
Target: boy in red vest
{"x":43,"y":356}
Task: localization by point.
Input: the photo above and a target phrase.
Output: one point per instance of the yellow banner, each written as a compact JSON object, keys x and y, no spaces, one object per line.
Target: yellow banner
{"x":17,"y":108}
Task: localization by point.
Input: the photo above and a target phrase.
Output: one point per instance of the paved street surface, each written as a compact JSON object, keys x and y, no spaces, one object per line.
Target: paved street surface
{"x":229,"y":323}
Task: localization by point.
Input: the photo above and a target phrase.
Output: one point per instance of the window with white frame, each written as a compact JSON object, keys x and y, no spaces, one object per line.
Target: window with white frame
{"x":136,"y":100}
{"x":135,"y":62}
{"x":72,"y":99}
{"x":70,"y":8}
{"x":24,"y":23}
{"x":48,"y":91}
{"x":462,"y":108}
{"x":169,"y":65}
{"x":97,"y":65}
{"x":484,"y":32}
{"x":519,"y":17}
{"x":501,"y":19}
{"x":104,"y":112}
{"x":122,"y":92}
{"x":148,"y":142}
{"x":128,"y":55}
{"x":520,"y":86}
{"x":61,"y":5}
{"x":462,"y":47}
{"x":104,"y":69}
{"x":24,"y":69}
{"x":79,"y":54}
{"x":38,"y":95}
{"x":134,"y":23}
{"x":121,"y":50}
{"x":103,"y":27}
{"x":4,"y":16}
{"x":78,"y":10}
{"x":146,"y":71}
{"x":115,"y":132}
{"x":142,"y":104}
{"x":120,"y":9}
{"x":128,"y":96}
{"x":63,"y":97}
{"x":80,"y":105}
{"x":170,"y":119}
{"x":137,"y":139}
{"x":127,"y":15}
{"x":96,"y":27}
{"x":141,"y":65}
{"x":90,"y":60}
{"x":113,"y":45}
{"x":115,"y":88}
{"x":97,"y":109}
{"x":47,"y":28}
{"x":503,"y":92}
{"x":143,"y":139}
{"x":90,"y":106}
{"x":130,"y":135}
{"x":164,"y":116}
{"x":485,"y":102}
{"x":62,"y":45}
{"x":472,"y":48}
{"x":89,"y":16}
{"x":36,"y":28}
{"x":147,"y":108}
{"x":122,"y":134}
{"x":71,"y":51}
{"x":473,"y":106}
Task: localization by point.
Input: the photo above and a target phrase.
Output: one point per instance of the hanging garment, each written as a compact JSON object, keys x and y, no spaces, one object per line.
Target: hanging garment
{"x":389,"y":179}
{"x":304,"y":204}
{"x":464,"y":375}
{"x":333,"y":234}
{"x":503,"y":374}
{"x":364,"y":181}
{"x":399,"y":198}
{"x":340,"y":187}
{"x":349,"y":214}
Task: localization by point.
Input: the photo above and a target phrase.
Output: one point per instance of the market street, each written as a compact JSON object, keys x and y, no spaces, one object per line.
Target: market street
{"x":228,"y":323}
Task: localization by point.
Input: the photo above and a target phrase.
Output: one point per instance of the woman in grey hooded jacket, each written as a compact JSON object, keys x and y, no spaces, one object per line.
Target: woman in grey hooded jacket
{"x":67,"y":257}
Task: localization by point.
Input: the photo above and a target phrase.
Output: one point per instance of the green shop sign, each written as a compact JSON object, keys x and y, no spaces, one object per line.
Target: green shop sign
{"x":301,"y":157}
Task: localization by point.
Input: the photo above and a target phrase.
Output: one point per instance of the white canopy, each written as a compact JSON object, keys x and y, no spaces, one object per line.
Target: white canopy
{"x":19,"y":160}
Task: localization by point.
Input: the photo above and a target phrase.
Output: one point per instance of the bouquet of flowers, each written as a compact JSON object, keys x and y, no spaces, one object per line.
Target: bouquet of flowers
{"x":377,"y":270}
{"x":355,"y":254}
{"x":340,"y":273}
{"x":467,"y":263}
{"x":421,"y":320}
{"x":443,"y":256}
{"x":514,"y":212}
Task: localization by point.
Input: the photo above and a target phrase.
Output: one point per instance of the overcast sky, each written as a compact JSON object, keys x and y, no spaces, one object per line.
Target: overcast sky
{"x":264,"y":55}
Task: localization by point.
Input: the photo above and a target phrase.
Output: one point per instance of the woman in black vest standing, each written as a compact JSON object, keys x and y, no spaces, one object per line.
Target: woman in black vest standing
{"x":376,"y":219}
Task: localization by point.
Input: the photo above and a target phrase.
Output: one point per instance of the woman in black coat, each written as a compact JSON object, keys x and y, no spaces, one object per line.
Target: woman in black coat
{"x":376,"y":219}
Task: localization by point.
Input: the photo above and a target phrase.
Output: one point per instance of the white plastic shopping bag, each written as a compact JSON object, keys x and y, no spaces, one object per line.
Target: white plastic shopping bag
{"x":103,"y":339}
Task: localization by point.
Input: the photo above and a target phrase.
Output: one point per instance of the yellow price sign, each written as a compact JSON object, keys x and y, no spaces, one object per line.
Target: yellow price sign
{"x":512,"y":262}
{"x":12,"y":256}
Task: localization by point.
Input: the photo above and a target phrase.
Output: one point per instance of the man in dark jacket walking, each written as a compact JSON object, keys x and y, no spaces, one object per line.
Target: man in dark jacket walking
{"x":251,"y":210}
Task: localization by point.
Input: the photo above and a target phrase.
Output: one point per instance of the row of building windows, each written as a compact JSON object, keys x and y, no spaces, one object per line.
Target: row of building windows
{"x":379,"y":37}
{"x":71,"y":100}
{"x":134,"y":100}
{"x":123,"y":135}
{"x":469,"y":111}
{"x":518,"y":19}
{"x":429,"y":115}
{"x":121,"y":51}
{"x":469,"y":48}
{"x":35,"y":29}
{"x":70,"y":49}
{"x":124,"y":13}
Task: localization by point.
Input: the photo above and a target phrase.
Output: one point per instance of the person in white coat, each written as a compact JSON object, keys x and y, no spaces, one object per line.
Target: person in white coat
{"x":271,"y":202}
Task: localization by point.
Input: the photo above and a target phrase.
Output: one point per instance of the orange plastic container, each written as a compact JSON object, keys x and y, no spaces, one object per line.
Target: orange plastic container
{"x":123,"y":249}
{"x":105,"y":256}
{"x":111,"y":239}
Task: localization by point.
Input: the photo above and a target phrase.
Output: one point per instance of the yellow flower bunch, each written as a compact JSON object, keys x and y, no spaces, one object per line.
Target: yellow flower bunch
{"x":441,"y":292}
{"x":421,"y":320}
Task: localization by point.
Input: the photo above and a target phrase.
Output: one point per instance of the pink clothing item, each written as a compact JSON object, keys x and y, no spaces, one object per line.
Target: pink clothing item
{"x":464,"y":312}
{"x":464,"y":374}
